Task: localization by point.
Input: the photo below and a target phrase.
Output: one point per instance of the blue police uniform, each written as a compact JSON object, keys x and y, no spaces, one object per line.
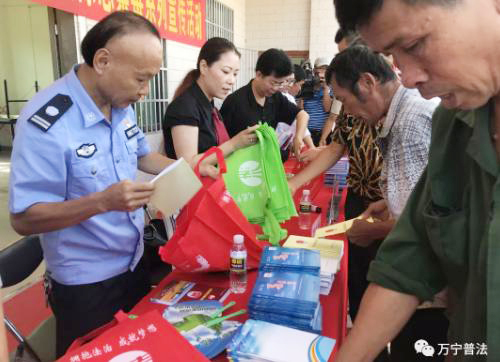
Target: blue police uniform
{"x":65,"y":149}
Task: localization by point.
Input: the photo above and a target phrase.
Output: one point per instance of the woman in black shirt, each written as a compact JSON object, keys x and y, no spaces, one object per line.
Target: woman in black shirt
{"x":192,"y":124}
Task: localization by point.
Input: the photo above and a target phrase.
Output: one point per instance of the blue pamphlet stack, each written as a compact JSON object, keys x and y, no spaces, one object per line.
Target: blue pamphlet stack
{"x":260,"y":341}
{"x":331,"y":255}
{"x":287,"y":289}
{"x":338,"y":172}
{"x":275,"y":258}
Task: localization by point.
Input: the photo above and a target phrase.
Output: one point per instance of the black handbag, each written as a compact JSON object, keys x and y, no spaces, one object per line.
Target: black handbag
{"x":155,"y":236}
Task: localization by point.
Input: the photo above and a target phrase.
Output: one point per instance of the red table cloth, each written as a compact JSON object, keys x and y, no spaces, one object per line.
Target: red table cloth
{"x":334,"y":305}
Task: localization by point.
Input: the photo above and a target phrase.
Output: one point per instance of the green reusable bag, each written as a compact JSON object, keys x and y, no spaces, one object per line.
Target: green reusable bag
{"x":272,"y":229}
{"x":256,"y":180}
{"x":245,"y":182}
{"x":281,"y":202}
{"x":280,"y":205}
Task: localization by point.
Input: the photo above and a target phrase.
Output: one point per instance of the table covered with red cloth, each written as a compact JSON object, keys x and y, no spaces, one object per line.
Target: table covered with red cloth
{"x":334,"y":305}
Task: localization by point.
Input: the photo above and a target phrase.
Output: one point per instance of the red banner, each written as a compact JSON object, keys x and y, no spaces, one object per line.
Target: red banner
{"x":179,"y":20}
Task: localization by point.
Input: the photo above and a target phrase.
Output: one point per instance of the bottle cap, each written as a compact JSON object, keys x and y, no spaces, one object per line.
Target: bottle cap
{"x":306,"y":192}
{"x":238,"y":239}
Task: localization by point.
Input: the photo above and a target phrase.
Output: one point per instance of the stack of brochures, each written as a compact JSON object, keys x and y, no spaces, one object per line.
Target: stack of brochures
{"x":289,"y":298}
{"x":262,"y":341}
{"x":290,"y":259}
{"x":338,"y":173}
{"x":331,"y":252}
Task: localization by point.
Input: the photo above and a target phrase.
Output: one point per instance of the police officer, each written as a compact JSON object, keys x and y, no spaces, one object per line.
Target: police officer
{"x":75,"y":156}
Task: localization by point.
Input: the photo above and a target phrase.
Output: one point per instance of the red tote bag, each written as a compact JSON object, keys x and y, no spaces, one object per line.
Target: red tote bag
{"x":149,"y":338}
{"x":206,"y":225}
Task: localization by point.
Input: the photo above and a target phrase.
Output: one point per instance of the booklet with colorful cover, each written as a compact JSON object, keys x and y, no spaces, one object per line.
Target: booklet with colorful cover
{"x":183,"y":291}
{"x":293,"y":259}
{"x":287,"y":286}
{"x":263,"y":341}
{"x":190,"y":319}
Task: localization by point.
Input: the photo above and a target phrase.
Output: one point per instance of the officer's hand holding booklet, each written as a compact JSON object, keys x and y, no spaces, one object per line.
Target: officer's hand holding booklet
{"x":174,"y":187}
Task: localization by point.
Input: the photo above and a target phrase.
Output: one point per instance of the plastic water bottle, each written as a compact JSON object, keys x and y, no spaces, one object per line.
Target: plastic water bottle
{"x":238,"y":265}
{"x":305,"y":211}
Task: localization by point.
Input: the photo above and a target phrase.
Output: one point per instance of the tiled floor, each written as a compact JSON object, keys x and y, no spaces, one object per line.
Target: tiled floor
{"x":7,"y":234}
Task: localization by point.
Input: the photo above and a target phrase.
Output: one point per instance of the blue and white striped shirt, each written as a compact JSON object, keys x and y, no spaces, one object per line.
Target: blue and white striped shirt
{"x":317,"y":114}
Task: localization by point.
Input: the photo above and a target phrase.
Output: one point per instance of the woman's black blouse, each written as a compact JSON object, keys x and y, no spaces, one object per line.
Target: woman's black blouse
{"x":191,"y":108}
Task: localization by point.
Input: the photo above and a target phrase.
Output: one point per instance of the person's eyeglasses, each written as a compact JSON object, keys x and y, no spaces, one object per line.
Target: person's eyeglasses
{"x":275,"y":83}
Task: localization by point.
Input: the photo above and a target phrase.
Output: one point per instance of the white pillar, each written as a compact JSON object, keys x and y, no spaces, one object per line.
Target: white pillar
{"x":323,"y":28}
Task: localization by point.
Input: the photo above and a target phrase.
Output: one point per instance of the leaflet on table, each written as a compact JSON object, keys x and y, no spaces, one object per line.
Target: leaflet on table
{"x":326,"y":247}
{"x":183,"y":291}
{"x":190,"y":319}
{"x":329,"y":266}
{"x":313,"y":324}
{"x":263,"y":341}
{"x":293,"y":258}
{"x":290,"y":285}
{"x":331,"y":253}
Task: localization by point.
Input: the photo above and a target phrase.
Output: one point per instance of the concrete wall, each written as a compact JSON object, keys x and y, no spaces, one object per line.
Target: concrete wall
{"x":323,"y":28}
{"x":304,"y":25}
{"x":181,"y":58}
{"x":278,"y":24}
{"x":25,"y":54}
{"x":5,"y":56}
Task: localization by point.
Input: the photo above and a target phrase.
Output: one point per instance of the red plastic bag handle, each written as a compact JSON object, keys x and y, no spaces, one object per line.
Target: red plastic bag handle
{"x":220,"y":160}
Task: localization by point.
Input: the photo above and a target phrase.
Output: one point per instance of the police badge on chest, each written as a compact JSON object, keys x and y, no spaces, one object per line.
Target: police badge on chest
{"x":86,"y":150}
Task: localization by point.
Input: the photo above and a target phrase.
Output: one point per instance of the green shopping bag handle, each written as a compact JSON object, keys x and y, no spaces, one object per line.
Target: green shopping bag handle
{"x":220,"y":160}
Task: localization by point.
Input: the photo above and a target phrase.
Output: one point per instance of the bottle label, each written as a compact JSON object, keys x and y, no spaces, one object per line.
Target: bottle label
{"x":305,"y":207}
{"x":238,"y":261}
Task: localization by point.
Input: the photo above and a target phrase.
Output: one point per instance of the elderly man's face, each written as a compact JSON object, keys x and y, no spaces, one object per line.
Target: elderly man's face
{"x":444,"y":51}
{"x":369,"y":104}
{"x":133,"y":60}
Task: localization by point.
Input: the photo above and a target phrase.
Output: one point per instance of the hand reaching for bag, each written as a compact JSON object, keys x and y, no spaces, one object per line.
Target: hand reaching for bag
{"x":245,"y":138}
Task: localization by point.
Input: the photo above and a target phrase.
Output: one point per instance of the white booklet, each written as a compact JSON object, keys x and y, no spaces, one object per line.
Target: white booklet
{"x":174,"y":187}
{"x":263,"y":341}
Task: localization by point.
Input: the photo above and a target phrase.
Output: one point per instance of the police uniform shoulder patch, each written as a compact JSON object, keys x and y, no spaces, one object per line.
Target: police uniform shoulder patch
{"x":49,"y":113}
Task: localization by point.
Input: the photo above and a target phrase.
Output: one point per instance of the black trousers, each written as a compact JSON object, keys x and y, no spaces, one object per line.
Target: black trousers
{"x":79,"y":309}
{"x":359,"y":257}
{"x":429,"y":324}
{"x":316,"y":136}
{"x":359,"y":261}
